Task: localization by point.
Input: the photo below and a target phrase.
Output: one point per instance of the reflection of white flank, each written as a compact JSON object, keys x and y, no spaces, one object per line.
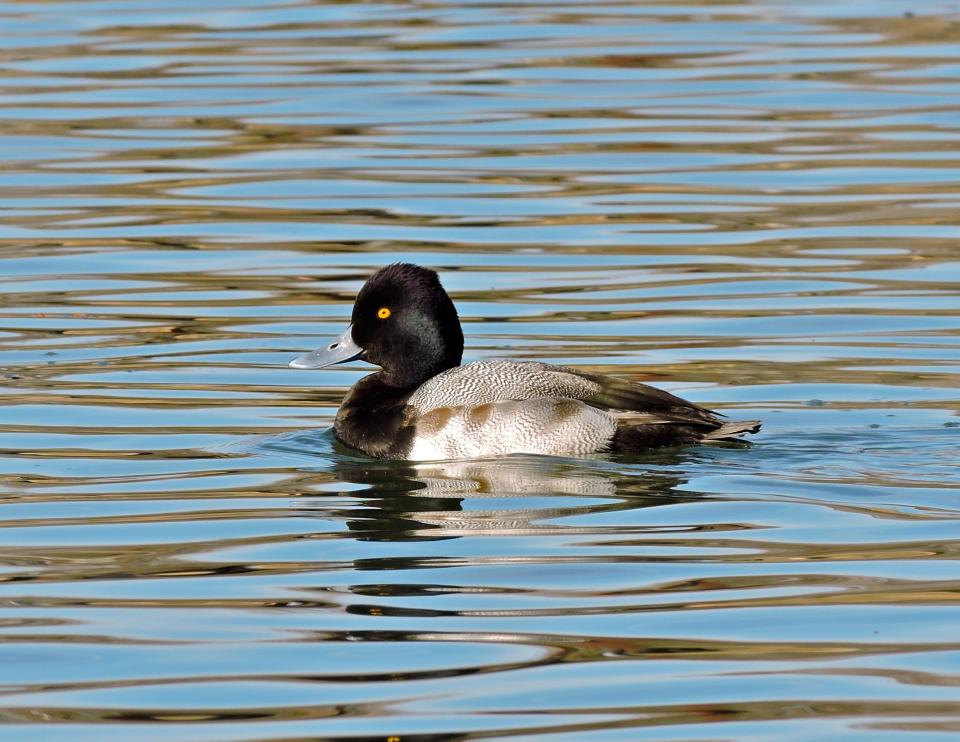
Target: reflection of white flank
{"x":509,"y":478}
{"x":513,"y":477}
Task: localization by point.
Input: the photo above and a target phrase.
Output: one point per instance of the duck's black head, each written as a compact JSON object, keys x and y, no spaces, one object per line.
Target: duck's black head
{"x":407,"y":325}
{"x":404,"y":322}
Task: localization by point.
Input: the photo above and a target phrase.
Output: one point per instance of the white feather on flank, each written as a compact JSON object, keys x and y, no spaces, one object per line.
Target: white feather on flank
{"x":549,"y":426}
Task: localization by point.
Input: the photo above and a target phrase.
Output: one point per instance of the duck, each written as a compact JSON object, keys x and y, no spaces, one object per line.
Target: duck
{"x":423,"y":405}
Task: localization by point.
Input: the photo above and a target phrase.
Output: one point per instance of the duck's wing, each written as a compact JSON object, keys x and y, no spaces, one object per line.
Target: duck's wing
{"x":492,"y":381}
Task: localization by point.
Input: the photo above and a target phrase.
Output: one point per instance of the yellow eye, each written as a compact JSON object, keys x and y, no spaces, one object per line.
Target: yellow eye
{"x":383,"y":312}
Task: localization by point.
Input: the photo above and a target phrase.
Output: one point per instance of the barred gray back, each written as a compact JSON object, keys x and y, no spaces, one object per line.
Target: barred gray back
{"x":499,"y":380}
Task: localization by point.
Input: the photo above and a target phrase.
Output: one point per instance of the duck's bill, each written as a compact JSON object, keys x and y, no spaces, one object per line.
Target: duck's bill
{"x":341,"y":350}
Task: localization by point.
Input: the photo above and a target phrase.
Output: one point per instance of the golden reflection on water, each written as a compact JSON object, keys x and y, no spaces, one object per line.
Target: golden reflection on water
{"x":753,"y":205}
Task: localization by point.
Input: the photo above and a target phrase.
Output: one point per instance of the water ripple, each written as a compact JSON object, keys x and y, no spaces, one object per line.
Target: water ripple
{"x":753,"y":205}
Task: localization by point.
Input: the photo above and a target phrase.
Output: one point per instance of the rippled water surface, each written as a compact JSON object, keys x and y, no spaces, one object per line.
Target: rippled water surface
{"x":755,"y":205}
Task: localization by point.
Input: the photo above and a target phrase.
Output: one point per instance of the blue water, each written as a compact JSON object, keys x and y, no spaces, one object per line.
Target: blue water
{"x":753,"y":205}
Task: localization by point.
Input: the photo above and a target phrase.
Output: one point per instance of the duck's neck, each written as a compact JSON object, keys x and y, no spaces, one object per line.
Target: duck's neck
{"x":373,"y":418}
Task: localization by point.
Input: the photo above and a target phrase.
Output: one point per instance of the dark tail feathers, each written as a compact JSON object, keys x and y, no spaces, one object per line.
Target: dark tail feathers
{"x":633,"y":438}
{"x":732,"y":431}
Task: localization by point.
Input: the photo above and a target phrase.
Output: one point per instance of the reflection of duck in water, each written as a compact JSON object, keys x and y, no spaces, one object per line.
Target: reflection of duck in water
{"x":423,"y":405}
{"x":507,"y":496}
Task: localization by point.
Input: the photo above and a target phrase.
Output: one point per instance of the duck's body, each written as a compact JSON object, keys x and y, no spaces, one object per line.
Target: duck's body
{"x":423,"y":405}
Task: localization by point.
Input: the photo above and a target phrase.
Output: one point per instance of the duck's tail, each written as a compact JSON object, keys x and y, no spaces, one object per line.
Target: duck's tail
{"x":731,"y":432}
{"x":634,"y":438}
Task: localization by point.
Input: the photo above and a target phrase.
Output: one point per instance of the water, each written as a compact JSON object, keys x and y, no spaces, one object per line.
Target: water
{"x":754,"y":205}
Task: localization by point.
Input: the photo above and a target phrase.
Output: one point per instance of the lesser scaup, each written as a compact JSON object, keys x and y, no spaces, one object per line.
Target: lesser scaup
{"x":424,"y":405}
